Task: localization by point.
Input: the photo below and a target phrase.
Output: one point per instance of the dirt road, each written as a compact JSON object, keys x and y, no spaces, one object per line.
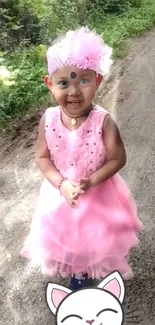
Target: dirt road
{"x":130,"y":97}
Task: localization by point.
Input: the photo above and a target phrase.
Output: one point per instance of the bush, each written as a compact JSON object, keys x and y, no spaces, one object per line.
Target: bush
{"x":21,"y":83}
{"x":18,"y":24}
{"x":77,"y":12}
{"x":114,"y":6}
{"x":26,"y":22}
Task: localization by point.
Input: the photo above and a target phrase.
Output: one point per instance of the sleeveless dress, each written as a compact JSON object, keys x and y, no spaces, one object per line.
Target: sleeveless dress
{"x":95,"y":238}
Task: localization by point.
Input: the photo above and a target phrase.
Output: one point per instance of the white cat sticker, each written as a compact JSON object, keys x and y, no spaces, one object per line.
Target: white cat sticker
{"x":94,"y":306}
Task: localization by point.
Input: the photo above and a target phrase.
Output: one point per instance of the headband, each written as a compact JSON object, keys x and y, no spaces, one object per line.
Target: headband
{"x":82,"y":48}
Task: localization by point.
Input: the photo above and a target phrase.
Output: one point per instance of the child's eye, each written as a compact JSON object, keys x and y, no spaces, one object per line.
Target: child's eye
{"x":84,"y":81}
{"x":63,"y":83}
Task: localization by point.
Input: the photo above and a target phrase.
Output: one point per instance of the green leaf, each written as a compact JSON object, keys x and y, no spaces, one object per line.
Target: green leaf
{"x":4,"y":34}
{"x":16,"y":27}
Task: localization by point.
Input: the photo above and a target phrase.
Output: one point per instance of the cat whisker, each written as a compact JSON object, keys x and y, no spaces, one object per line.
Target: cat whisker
{"x":133,"y":316}
{"x":131,"y":311}
{"x":133,"y":321}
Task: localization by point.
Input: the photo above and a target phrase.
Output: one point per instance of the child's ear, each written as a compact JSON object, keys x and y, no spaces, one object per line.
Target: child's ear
{"x":48,"y":82}
{"x":99,"y":79}
{"x":114,"y":283}
{"x":55,"y":294}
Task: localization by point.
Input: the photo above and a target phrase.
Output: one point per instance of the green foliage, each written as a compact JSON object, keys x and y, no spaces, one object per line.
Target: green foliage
{"x":21,"y":82}
{"x":19,"y":24}
{"x":115,"y":29}
{"x":27,"y":28}
{"x":70,"y":12}
{"x":77,"y":12}
{"x":114,"y":6}
{"x":24,"y":22}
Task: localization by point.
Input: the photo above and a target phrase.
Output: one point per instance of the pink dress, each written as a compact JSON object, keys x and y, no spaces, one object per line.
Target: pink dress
{"x":95,"y":238}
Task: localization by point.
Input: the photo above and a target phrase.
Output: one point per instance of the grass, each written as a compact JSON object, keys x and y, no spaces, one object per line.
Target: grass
{"x":24,"y":88}
{"x":117,"y":29}
{"x":21,"y":84}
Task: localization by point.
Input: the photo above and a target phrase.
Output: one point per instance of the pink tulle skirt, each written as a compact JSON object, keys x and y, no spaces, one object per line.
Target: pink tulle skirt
{"x":95,"y":238}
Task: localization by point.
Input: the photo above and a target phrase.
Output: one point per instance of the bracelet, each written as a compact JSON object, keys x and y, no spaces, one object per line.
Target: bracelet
{"x":61,"y":181}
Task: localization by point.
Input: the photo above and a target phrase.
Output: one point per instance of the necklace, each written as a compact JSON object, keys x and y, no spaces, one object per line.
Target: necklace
{"x":74,"y":119}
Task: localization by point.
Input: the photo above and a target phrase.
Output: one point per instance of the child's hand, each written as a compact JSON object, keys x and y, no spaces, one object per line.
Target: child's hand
{"x":71,"y":192}
{"x":85,"y":184}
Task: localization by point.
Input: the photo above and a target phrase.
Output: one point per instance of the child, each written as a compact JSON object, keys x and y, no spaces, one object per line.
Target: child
{"x":85,"y":221}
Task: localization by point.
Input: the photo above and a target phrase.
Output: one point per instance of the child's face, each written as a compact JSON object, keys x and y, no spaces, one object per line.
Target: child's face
{"x":73,"y":89}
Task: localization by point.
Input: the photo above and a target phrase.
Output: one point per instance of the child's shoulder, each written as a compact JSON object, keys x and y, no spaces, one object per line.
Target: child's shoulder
{"x":100,"y":112}
{"x":52,"y":110}
{"x":51,"y":113}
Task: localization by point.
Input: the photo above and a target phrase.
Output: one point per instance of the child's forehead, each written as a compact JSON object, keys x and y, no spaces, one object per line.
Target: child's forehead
{"x":68,"y":71}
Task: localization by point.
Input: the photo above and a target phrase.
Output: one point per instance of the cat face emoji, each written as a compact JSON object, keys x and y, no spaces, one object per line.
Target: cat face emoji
{"x":94,"y":306}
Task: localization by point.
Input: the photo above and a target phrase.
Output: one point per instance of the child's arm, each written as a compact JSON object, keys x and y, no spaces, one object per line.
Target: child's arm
{"x":42,"y":157}
{"x":115,"y":151}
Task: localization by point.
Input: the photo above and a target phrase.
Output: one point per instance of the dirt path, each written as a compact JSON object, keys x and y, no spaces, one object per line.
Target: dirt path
{"x":130,"y":96}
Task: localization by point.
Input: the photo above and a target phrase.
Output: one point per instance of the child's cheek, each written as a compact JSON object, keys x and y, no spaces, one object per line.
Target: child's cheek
{"x":56,"y":95}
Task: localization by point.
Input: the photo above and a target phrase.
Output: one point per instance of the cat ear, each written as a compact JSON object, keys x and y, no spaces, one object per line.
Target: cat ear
{"x":54,"y":295}
{"x":114,"y":283}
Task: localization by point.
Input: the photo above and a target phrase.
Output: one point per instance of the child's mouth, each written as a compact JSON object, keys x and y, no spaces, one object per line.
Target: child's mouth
{"x":75,"y":103}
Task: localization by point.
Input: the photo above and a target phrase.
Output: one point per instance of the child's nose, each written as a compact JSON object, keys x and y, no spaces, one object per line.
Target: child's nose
{"x":90,"y":321}
{"x":73,"y":91}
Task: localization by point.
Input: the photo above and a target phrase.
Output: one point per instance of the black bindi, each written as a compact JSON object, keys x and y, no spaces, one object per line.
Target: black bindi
{"x":73,"y":75}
